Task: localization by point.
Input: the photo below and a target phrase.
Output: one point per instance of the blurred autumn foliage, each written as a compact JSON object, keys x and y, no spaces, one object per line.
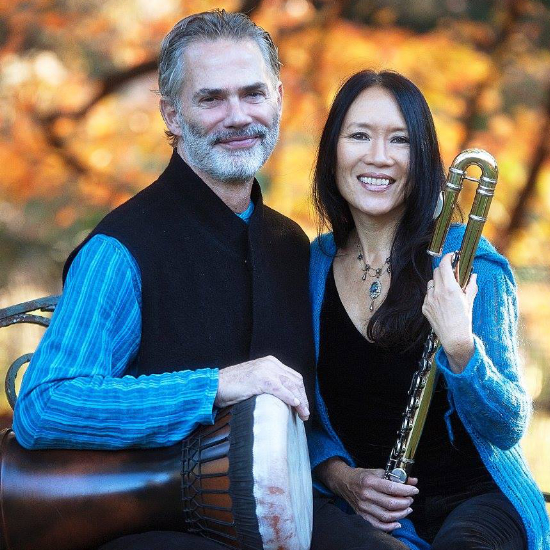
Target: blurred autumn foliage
{"x":80,"y":130}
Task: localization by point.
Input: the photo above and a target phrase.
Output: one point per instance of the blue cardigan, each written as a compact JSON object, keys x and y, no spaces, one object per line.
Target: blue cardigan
{"x":488,"y":395}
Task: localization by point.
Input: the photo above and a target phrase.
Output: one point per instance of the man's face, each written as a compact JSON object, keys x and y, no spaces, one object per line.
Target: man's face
{"x":230,"y":109}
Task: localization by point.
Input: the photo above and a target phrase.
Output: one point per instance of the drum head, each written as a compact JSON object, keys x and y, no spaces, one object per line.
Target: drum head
{"x":282,"y":476}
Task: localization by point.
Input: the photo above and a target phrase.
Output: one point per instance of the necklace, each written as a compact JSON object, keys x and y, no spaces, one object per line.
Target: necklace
{"x":375,"y":288}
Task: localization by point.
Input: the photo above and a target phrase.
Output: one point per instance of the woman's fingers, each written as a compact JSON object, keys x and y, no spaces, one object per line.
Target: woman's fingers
{"x":449,"y":311}
{"x":471,"y":289}
{"x":444,"y":275}
{"x":388,"y":502}
{"x":430,"y":286}
{"x":387,"y":487}
{"x":380,"y":501}
{"x":382,"y":518}
{"x":386,"y":527}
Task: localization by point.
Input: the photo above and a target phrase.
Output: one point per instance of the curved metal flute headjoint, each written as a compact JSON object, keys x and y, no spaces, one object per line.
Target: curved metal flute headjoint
{"x":453,"y":185}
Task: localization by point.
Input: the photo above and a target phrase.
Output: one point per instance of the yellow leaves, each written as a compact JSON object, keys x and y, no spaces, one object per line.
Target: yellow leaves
{"x":501,"y":126}
{"x":65,"y":217}
{"x":99,"y":123}
{"x":490,"y":101}
{"x":385,"y":16}
{"x":275,"y":15}
{"x":54,"y":20}
{"x":139,"y":122}
{"x":101,"y":158}
{"x":64,"y":127}
{"x":95,"y":192}
{"x":118,"y":146}
{"x":99,"y":25}
{"x":544,"y":188}
{"x":14,"y":172}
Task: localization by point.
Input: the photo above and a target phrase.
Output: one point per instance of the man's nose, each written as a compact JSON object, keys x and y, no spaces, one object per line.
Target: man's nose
{"x":237,"y":114}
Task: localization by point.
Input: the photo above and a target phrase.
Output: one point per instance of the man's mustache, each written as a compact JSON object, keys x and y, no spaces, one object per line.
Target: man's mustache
{"x":253,"y":131}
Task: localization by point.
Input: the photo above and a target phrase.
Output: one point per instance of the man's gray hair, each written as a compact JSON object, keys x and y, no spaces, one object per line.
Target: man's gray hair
{"x":210,"y":25}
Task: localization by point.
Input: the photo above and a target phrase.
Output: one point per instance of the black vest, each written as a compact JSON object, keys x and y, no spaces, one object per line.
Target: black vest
{"x":215,"y":291}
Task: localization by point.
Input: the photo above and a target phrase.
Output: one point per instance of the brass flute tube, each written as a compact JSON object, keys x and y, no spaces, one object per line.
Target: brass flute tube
{"x":424,"y":381}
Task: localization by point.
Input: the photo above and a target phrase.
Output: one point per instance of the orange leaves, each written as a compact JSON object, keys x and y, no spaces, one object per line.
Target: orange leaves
{"x":65,"y":217}
{"x":98,"y":157}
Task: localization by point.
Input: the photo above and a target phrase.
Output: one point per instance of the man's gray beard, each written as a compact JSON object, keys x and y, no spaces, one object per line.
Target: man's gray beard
{"x":224,"y":165}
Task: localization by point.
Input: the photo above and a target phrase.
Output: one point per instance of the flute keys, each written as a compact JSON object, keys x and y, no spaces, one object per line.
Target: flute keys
{"x":398,"y":475}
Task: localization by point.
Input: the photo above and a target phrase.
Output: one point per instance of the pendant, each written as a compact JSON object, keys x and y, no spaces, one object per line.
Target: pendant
{"x":375,"y":290}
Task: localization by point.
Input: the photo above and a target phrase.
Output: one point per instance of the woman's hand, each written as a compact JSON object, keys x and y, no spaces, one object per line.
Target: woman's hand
{"x":448,"y":308}
{"x":380,"y":501}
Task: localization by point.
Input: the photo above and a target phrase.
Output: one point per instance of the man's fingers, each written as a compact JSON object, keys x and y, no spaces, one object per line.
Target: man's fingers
{"x":278,"y":364}
{"x":263,"y":375}
{"x":286,"y":392}
{"x":298,"y":391}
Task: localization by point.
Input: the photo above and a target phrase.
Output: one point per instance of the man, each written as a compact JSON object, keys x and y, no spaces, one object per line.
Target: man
{"x":193,"y":294}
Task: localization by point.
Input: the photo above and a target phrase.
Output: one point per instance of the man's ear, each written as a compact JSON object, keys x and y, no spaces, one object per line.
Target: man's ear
{"x":170,"y":116}
{"x":280,"y":95}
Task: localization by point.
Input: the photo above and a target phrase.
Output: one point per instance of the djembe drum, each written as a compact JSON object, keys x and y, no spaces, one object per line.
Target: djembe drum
{"x":243,"y":482}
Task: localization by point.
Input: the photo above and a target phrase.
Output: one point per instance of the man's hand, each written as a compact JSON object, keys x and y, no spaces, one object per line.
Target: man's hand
{"x":264,"y":375}
{"x":380,"y":501}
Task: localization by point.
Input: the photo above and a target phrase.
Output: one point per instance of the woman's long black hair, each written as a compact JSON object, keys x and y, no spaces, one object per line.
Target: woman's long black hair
{"x":398,"y":323}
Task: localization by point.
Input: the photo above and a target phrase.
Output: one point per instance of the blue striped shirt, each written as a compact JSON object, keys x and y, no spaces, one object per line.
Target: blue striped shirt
{"x":75,"y":394}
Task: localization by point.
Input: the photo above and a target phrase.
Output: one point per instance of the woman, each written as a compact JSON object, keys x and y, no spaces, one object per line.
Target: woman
{"x":375,"y":293}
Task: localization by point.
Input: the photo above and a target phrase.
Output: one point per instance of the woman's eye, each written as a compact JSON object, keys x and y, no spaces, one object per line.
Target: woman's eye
{"x":361,"y":136}
{"x":400,"y":139}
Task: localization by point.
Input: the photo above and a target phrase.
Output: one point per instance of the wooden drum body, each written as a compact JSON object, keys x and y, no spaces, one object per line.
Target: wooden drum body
{"x":77,"y":500}
{"x":245,"y":483}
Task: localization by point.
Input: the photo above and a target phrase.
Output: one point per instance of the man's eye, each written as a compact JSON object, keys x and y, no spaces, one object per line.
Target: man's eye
{"x":210,"y":100}
{"x":255,"y":96}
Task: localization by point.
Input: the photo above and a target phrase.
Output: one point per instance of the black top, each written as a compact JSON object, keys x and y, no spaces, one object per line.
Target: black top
{"x":365,"y":390}
{"x":215,"y":291}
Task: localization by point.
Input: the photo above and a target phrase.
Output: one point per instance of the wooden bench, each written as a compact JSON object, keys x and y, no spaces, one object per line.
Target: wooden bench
{"x":27,"y":312}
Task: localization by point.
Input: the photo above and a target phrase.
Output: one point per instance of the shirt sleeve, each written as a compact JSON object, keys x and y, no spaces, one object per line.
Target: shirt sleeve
{"x":489,"y":394}
{"x":75,"y":394}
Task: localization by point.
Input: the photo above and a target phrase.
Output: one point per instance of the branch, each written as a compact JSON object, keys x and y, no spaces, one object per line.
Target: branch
{"x":250,"y":6}
{"x":497,"y":51}
{"x":519,"y":213}
{"x":109,"y":84}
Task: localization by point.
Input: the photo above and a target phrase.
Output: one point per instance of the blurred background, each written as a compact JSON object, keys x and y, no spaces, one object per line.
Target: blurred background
{"x":80,"y":130}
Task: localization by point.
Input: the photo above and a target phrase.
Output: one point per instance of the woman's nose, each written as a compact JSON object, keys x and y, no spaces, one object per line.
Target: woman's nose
{"x":378,"y":152}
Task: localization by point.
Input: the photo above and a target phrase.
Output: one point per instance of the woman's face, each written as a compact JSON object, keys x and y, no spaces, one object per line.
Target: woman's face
{"x":373,"y":156}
